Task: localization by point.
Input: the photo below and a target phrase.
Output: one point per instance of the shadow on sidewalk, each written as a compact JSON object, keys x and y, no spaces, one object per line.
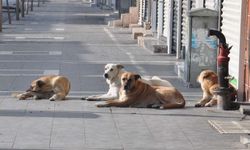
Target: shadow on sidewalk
{"x":177,"y":113}
{"x":50,"y":114}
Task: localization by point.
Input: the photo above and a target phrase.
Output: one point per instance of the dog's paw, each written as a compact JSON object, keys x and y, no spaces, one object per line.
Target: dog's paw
{"x":101,"y":104}
{"x":84,"y":98}
{"x":37,"y":98}
{"x":22,"y":98}
{"x":93,"y":99}
{"x":208,"y":104}
{"x":56,"y":97}
{"x":199,"y":105}
{"x":156,"y":106}
{"x":161,"y":107}
{"x":19,"y":96}
{"x":53,"y":98}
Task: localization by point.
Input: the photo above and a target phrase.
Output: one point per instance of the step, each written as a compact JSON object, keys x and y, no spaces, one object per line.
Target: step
{"x":179,"y":69}
{"x":137,"y":31}
{"x":134,"y":15}
{"x":245,"y":140}
{"x":115,"y":23}
{"x":245,"y":110}
{"x":109,"y":19}
{"x":153,"y":44}
{"x":132,"y":25}
{"x":125,"y":18}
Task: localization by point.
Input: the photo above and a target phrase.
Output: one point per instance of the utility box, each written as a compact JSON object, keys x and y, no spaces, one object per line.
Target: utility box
{"x":201,"y":53}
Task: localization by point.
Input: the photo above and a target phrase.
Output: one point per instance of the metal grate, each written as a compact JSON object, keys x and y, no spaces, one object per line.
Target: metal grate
{"x":230,"y":126}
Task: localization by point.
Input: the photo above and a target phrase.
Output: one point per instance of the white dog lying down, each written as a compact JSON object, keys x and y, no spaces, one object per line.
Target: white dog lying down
{"x":112,"y":74}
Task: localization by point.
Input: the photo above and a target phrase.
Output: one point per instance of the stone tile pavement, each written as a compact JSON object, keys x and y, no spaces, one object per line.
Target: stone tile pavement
{"x":76,"y":124}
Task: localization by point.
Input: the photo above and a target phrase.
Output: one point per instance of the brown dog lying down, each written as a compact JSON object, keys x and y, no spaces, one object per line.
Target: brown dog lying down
{"x":135,"y":93}
{"x":50,"y":87}
{"x":208,"y":80}
{"x":112,"y":74}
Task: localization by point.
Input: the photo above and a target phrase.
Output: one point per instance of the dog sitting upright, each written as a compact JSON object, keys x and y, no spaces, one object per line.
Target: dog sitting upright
{"x":208,"y":80}
{"x":50,"y":87}
{"x":135,"y":93}
{"x":112,"y":74}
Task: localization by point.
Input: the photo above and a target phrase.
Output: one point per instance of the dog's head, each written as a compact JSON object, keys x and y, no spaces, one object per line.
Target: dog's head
{"x":207,"y":74}
{"x":36,"y":86}
{"x":128,"y":80}
{"x":112,"y":70}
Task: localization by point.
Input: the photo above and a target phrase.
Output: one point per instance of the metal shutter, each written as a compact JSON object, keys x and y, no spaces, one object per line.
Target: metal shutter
{"x":193,"y":3}
{"x":160,"y":18}
{"x":184,"y":24}
{"x":165,"y":17}
{"x":186,"y":6}
{"x":231,"y":18}
{"x":145,"y":17}
{"x":179,"y":52}
{"x":143,"y":10}
{"x":174,"y":26}
{"x":140,"y":12}
{"x":157,"y":14}
{"x":211,"y":4}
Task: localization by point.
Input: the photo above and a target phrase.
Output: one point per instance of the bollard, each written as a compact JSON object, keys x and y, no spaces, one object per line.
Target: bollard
{"x":8,"y":11}
{"x":27,"y":7}
{"x":22,"y":8}
{"x":17,"y":10}
{"x":31,"y":7}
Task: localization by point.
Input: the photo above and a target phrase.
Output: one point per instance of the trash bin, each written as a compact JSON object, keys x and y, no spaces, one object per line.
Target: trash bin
{"x":201,"y":50}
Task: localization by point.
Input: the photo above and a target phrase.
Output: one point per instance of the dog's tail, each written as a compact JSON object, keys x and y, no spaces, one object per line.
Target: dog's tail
{"x":157,"y":81}
{"x":173,"y":105}
{"x":156,"y":78}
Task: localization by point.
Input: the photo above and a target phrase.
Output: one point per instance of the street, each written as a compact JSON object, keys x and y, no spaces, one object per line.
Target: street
{"x":76,"y":44}
{"x":70,"y":38}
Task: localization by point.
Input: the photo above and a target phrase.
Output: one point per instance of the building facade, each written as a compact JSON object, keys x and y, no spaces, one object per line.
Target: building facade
{"x":170,"y":21}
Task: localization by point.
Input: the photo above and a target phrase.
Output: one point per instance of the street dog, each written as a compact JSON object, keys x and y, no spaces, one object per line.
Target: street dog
{"x":112,"y":74}
{"x":135,"y":93}
{"x":208,"y":80}
{"x":50,"y":87}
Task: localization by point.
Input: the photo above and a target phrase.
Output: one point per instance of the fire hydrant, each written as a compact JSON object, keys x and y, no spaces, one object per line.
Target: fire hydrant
{"x":226,"y":94}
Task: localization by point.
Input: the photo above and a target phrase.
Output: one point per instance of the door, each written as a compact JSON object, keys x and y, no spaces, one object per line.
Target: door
{"x":231,"y":28}
{"x":247,"y":58}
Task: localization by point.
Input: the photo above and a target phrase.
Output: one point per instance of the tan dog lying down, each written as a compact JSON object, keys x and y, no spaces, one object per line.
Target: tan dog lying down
{"x":50,"y":87}
{"x":135,"y":93}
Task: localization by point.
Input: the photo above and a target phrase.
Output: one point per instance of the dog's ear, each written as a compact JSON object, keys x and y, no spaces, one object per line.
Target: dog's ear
{"x":137,"y":76}
{"x":210,"y":75}
{"x":40,"y":83}
{"x":29,"y":89}
{"x":206,"y":75}
{"x":119,"y":66}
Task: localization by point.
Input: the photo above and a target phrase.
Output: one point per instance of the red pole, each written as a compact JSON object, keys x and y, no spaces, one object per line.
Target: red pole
{"x":225,"y":94}
{"x":1,"y":20}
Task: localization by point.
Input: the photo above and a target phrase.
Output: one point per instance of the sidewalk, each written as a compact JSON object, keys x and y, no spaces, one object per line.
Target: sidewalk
{"x":69,"y":38}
